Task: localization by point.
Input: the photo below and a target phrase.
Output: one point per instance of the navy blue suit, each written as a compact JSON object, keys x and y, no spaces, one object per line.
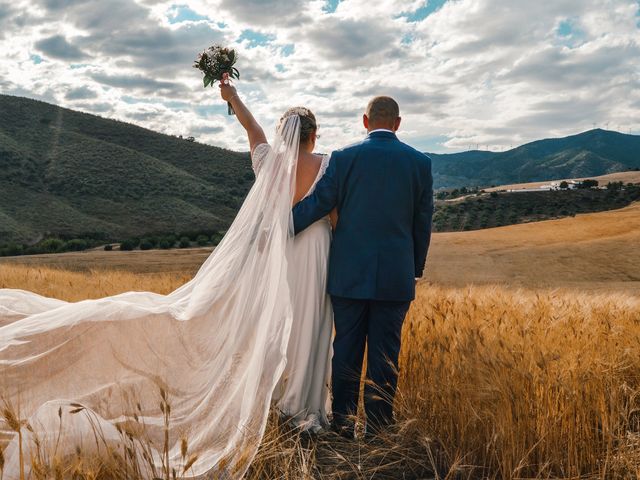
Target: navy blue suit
{"x":383,"y":192}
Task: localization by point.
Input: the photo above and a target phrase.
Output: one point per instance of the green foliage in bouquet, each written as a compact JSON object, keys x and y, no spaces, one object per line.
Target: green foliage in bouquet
{"x":216,"y":62}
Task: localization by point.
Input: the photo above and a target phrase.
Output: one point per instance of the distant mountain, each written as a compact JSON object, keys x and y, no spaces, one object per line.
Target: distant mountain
{"x":595,"y":152}
{"x":68,"y":173}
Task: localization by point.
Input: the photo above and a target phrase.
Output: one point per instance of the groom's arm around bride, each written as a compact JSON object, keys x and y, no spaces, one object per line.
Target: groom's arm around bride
{"x":383,"y":192}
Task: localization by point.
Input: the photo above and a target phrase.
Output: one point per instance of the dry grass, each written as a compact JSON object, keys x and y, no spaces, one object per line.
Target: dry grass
{"x":495,"y":383}
{"x":177,"y":260}
{"x":95,"y":283}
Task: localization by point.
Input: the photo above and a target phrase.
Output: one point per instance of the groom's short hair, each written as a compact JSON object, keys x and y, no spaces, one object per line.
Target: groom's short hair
{"x":382,"y":110}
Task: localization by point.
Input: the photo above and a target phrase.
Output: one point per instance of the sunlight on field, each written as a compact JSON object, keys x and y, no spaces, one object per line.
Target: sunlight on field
{"x":74,"y":286}
{"x":591,"y":252}
{"x":524,"y":383}
{"x":495,"y":382}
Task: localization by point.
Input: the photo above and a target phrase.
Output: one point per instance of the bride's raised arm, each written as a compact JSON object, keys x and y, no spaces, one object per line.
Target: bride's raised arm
{"x":253,"y":128}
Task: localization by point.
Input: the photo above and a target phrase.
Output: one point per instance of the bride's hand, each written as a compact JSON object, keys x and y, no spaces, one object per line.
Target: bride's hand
{"x":227,"y":91}
{"x":254,"y":131}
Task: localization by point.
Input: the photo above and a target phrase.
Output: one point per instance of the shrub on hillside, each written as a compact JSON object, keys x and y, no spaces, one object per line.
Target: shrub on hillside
{"x":128,"y":245}
{"x":184,"y":242}
{"x":50,"y":245}
{"x":108,"y":248}
{"x":146,"y":244}
{"x":202,"y":240}
{"x":76,"y":245}
{"x":167,"y":242}
{"x":216,"y":238}
{"x":153,"y":240}
{"x":11,"y":250}
{"x":171,"y":239}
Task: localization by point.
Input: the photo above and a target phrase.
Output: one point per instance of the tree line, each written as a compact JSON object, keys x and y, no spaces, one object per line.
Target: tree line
{"x":60,"y":244}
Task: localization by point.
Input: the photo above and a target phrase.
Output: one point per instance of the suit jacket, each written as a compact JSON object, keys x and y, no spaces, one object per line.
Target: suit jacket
{"x":383,"y":191}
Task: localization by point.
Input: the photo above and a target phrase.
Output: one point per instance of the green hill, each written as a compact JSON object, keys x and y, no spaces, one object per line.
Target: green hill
{"x":66,"y":173}
{"x":69,"y":174}
{"x":588,"y":154}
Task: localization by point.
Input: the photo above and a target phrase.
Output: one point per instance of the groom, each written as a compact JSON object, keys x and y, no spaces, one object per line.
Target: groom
{"x":383,"y":192}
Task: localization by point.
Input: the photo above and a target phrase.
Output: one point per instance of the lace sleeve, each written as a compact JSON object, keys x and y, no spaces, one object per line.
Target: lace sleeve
{"x":324,"y":165}
{"x":321,"y":170}
{"x":258,"y":155}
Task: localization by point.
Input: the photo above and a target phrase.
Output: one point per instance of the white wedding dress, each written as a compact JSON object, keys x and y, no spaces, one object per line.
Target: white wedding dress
{"x":206,"y":359}
{"x":303,"y":391}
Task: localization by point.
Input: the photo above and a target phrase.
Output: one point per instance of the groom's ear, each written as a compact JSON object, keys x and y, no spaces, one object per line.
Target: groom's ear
{"x":397,"y":125}
{"x":365,"y":121}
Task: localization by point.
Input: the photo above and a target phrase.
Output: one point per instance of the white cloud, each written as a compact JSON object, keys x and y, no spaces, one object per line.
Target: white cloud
{"x":487,"y":72}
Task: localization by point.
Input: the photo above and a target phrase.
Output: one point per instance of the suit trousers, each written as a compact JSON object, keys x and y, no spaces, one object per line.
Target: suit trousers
{"x":379,"y":325}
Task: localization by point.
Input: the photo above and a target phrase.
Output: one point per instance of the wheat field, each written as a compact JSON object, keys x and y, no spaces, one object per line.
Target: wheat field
{"x":520,"y":358}
{"x":495,"y":382}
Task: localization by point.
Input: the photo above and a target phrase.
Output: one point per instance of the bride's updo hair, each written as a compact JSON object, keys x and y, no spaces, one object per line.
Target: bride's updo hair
{"x":308,"y":124}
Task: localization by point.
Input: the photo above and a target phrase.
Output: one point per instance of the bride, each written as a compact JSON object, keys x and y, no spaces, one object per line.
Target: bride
{"x":183,"y":380}
{"x":302,"y":394}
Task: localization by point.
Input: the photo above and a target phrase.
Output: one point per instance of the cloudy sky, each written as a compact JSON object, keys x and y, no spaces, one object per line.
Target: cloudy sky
{"x":467,"y":73}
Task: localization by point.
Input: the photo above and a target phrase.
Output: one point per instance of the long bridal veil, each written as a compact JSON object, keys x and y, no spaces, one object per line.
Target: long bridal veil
{"x":193,"y":370}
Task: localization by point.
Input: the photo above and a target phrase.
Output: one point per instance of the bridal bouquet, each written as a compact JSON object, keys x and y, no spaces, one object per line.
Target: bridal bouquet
{"x":217,"y":64}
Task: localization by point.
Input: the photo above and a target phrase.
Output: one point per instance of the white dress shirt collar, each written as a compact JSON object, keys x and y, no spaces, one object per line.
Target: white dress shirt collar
{"x":381,"y":130}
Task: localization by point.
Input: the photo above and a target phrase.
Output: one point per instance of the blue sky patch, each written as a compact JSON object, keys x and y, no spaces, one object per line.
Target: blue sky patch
{"x":255,"y":38}
{"x":431,"y":6}
{"x":330,"y":6}
{"x":565,"y":29}
{"x":288,"y":50}
{"x":182,"y":13}
{"x":569,"y":33}
{"x":36,"y":59}
{"x":407,"y":39}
